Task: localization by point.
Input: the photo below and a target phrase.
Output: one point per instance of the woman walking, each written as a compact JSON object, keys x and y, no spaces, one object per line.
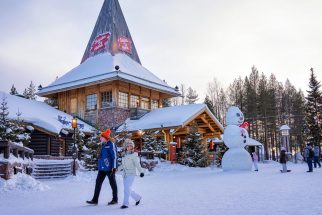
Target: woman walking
{"x":130,"y":165}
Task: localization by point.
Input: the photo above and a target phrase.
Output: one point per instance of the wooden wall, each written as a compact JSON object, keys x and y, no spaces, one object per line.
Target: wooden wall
{"x":39,"y":143}
{"x":64,"y":98}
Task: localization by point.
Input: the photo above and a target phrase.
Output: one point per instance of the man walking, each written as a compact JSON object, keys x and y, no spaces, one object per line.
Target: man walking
{"x":107,"y":166}
{"x":308,"y":155}
{"x":317,"y":156}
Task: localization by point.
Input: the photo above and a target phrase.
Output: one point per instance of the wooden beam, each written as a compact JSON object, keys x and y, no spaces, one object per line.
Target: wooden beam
{"x":207,"y":123}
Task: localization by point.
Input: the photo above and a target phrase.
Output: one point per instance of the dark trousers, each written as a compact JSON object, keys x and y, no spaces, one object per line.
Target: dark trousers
{"x":316,"y":161}
{"x":310,"y":164}
{"x":99,"y":181}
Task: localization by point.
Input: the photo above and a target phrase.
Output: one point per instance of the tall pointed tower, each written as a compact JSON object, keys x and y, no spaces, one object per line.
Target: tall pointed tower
{"x":110,"y":84}
{"x":111,"y":33}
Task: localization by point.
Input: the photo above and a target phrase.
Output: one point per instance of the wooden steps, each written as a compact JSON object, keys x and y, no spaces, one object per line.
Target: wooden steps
{"x":52,"y":169}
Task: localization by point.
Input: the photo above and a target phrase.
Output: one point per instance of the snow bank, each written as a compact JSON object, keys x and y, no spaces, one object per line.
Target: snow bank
{"x":22,"y":182}
{"x":13,"y":159}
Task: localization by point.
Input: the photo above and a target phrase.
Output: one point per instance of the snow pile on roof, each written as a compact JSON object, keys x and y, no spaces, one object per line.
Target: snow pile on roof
{"x":167,"y":117}
{"x":101,"y":68}
{"x":40,"y":114}
{"x":22,"y":182}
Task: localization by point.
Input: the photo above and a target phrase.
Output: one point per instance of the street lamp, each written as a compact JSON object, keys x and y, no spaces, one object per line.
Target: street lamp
{"x":74,"y":126}
{"x":140,"y":135}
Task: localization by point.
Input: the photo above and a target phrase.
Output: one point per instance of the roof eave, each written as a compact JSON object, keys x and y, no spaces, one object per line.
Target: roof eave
{"x":39,"y":93}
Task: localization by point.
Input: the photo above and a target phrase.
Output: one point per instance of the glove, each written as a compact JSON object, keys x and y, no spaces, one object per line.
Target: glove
{"x":114,"y":170}
{"x":142,"y":175}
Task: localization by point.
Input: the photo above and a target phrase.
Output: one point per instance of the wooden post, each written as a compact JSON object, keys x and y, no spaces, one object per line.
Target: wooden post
{"x":15,"y":152}
{"x":6,"y":152}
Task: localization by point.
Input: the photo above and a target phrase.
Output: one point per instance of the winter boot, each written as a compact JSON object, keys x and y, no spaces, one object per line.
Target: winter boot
{"x":137,"y":203}
{"x":91,"y":202}
{"x":124,"y":207}
{"x":113,"y":202}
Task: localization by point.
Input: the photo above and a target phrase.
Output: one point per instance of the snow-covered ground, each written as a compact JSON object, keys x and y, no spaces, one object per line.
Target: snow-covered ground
{"x":174,"y":189}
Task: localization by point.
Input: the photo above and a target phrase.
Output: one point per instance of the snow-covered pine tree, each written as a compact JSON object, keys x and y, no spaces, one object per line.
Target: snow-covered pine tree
{"x":313,"y":109}
{"x":161,"y":145}
{"x":6,"y":125}
{"x":19,"y":131}
{"x":13,"y":90}
{"x":80,"y":142}
{"x":30,"y":92}
{"x":149,"y":142}
{"x":92,"y":152}
{"x":192,"y":96}
{"x":194,"y":152}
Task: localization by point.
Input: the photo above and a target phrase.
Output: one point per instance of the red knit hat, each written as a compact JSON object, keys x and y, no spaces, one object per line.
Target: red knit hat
{"x":106,"y":134}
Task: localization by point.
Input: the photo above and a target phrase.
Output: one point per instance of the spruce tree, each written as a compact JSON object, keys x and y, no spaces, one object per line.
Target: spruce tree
{"x":30,"y":92}
{"x":149,"y":142}
{"x":19,"y":131}
{"x":13,"y":90}
{"x":154,"y":143}
{"x":313,"y":109}
{"x":6,"y":125}
{"x":192,"y":96}
{"x":209,"y":104}
{"x":93,"y":149}
{"x":194,"y":152}
{"x":166,"y":102}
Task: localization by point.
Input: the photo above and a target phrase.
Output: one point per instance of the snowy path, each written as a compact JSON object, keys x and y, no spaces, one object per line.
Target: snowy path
{"x":181,"y":190}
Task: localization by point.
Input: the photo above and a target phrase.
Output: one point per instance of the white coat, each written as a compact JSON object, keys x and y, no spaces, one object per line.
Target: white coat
{"x":131,"y":164}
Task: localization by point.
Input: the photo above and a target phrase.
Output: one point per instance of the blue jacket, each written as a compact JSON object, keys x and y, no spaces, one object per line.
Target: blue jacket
{"x":108,"y":157}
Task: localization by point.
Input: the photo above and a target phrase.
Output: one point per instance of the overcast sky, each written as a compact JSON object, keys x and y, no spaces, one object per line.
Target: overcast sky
{"x":181,"y":41}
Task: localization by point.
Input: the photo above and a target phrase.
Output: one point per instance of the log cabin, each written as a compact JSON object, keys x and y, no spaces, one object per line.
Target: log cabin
{"x":110,"y":84}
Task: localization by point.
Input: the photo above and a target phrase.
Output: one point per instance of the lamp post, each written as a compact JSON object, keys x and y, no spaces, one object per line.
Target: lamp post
{"x":74,"y":126}
{"x":140,"y":135}
{"x":285,"y":139}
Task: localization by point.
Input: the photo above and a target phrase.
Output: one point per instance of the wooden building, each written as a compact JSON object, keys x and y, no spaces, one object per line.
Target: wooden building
{"x":110,"y":84}
{"x":174,"y":123}
{"x":50,"y":129}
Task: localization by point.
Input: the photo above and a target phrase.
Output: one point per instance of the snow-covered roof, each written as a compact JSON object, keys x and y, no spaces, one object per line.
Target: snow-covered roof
{"x":40,"y":114}
{"x":101,"y":68}
{"x":168,"y":117}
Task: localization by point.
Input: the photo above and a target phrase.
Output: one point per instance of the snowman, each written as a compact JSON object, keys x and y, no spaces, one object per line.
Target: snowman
{"x":235,"y":138}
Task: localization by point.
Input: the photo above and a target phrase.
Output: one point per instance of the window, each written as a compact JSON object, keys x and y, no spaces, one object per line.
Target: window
{"x":154,"y":104}
{"x":123,"y":100}
{"x":134,"y":101}
{"x":73,"y":106}
{"x":145,"y":103}
{"x":106,"y":99}
{"x":91,"y":101}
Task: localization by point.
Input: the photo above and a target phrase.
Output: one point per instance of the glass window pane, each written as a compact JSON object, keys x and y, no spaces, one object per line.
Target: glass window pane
{"x":154,"y":104}
{"x":107,"y":100}
{"x":134,"y":101}
{"x":145,"y":103}
{"x":91,"y":102}
{"x":123,"y":100}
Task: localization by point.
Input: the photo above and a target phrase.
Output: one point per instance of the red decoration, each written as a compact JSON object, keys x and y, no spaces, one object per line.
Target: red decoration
{"x":244,"y":125}
{"x":211,"y":145}
{"x":125,"y":44}
{"x":178,"y":140}
{"x":100,"y":42}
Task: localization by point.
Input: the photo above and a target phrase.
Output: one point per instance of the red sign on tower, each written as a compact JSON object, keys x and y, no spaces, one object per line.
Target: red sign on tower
{"x":125,"y":44}
{"x":100,"y":42}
